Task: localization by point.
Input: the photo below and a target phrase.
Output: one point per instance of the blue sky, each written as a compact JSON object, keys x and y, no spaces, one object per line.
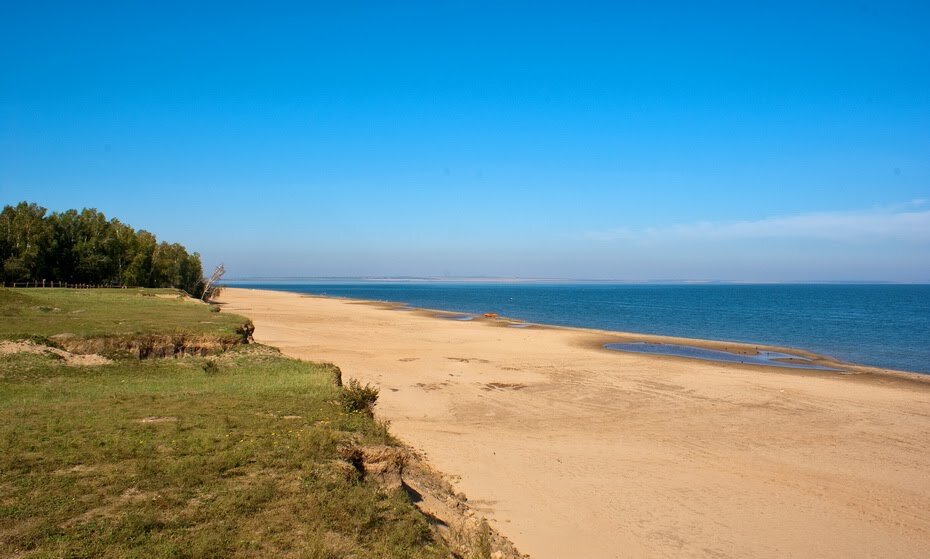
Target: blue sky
{"x":723,"y":140}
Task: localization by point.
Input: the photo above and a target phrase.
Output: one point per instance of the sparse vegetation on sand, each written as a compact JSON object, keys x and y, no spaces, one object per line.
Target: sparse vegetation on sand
{"x":238,"y":454}
{"x":359,"y":398}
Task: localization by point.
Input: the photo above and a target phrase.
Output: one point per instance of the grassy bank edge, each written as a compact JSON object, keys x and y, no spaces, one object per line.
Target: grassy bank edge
{"x":68,"y":435}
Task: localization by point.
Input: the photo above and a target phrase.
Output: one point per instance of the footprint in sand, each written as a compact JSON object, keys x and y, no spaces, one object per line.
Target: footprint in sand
{"x":503,"y":386}
{"x":467,"y":359}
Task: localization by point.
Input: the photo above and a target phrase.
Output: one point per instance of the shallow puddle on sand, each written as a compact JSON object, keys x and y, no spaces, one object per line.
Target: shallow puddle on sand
{"x":770,"y":358}
{"x":455,"y":316}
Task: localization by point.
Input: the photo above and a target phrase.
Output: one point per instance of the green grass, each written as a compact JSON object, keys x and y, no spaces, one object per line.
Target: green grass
{"x":237,"y":455}
{"x":92,"y":313}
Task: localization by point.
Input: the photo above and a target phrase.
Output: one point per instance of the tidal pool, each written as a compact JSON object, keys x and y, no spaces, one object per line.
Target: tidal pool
{"x":770,"y":358}
{"x":455,"y":316}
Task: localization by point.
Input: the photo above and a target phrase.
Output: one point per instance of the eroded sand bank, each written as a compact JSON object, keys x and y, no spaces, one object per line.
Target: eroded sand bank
{"x":574,"y":451}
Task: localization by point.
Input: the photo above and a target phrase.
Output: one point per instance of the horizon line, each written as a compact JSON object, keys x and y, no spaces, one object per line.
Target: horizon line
{"x":518,"y":279}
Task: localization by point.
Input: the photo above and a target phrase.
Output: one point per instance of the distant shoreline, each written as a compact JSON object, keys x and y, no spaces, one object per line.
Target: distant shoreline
{"x":822,"y":363}
{"x":659,"y":327}
{"x":557,"y":281}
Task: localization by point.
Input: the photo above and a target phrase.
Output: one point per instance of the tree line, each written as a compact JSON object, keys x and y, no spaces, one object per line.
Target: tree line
{"x":85,"y":247}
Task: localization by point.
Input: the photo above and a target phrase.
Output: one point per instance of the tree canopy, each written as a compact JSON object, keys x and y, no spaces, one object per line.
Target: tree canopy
{"x":84,"y":247}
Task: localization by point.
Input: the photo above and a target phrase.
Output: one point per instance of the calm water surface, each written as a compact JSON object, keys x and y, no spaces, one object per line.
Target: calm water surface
{"x":882,"y":325}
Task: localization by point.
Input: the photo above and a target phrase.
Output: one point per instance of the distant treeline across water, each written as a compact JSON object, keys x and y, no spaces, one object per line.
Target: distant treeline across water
{"x":882,"y":325}
{"x":85,"y":248}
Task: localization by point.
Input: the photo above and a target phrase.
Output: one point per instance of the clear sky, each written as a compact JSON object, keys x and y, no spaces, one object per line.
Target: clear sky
{"x":754,"y":141}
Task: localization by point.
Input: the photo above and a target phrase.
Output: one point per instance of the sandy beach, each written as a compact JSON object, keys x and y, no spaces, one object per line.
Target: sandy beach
{"x":574,"y":451}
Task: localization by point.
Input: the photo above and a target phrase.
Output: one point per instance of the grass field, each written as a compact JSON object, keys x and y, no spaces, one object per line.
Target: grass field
{"x":108,"y":312}
{"x":235,"y":455}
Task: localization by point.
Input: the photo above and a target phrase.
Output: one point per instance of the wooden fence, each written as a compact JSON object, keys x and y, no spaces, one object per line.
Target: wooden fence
{"x":61,"y":284}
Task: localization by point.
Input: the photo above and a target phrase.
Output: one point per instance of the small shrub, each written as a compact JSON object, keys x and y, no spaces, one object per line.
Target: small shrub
{"x":358,"y":398}
{"x":245,"y":331}
{"x":212,"y":292}
{"x":211,"y":367}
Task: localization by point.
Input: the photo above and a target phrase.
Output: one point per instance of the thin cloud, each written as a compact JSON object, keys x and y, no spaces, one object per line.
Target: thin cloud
{"x":902,"y":224}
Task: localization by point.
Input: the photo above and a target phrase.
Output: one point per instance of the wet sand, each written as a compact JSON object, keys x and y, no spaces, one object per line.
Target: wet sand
{"x":575,"y":451}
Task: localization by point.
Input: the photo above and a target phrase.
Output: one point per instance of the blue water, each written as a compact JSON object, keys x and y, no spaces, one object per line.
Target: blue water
{"x":881,"y":325}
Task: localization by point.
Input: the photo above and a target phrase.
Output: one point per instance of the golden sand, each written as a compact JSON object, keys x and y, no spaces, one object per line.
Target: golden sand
{"x":574,"y":451}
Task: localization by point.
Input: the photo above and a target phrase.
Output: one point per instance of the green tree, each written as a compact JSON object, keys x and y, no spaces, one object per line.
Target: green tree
{"x":27,"y":239}
{"x":66,"y":233}
{"x":93,"y":263}
{"x":191,"y":275}
{"x":118,"y":245}
{"x":84,"y":247}
{"x":139,"y":270}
